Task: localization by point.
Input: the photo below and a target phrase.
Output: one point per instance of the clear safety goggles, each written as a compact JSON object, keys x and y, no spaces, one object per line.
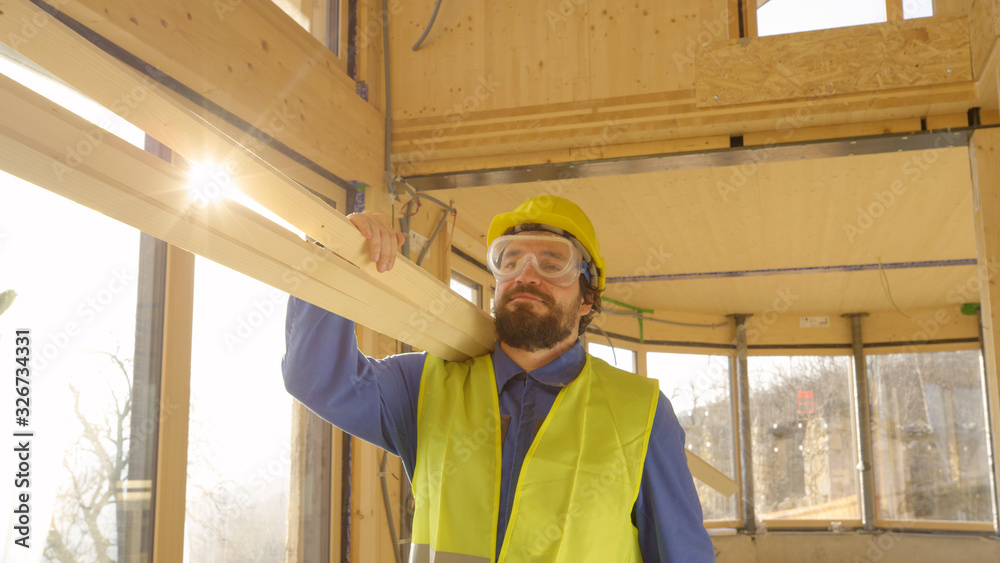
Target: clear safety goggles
{"x":553,"y":257}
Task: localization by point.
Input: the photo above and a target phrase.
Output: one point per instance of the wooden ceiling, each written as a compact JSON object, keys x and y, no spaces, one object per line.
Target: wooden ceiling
{"x":821,"y":213}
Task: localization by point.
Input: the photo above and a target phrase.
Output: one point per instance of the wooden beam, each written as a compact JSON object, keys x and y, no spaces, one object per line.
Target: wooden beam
{"x":708,"y":474}
{"x":985,"y":157}
{"x":161,"y":114}
{"x":127,"y":184}
{"x":175,"y":399}
{"x":249,"y":58}
{"x":252,"y":59}
{"x":820,"y":64}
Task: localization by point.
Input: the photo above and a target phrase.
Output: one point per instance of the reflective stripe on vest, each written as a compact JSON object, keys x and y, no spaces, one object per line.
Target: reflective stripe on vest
{"x":423,"y":553}
{"x":578,"y":483}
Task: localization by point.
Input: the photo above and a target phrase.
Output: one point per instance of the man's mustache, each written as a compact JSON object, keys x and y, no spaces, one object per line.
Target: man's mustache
{"x":530,"y":290}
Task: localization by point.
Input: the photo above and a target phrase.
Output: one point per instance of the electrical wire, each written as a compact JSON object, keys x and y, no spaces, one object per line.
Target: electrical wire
{"x":388,"y":509}
{"x":388,"y":102}
{"x":614,"y":356}
{"x":430,"y":24}
{"x":884,"y":280}
{"x":413,"y":193}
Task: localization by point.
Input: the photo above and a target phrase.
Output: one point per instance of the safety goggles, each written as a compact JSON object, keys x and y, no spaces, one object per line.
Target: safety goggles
{"x":553,"y":257}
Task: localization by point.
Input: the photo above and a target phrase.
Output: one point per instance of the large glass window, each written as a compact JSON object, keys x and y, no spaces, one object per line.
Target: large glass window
{"x":239,"y":456}
{"x":791,"y":16}
{"x":699,"y":391}
{"x":75,"y":274}
{"x":929,"y":436}
{"x":621,"y":358}
{"x":803,"y":455}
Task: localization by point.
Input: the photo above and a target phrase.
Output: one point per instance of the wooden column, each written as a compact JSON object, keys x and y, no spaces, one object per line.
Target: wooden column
{"x":985,"y":157}
{"x":175,"y":395}
{"x":894,"y":10}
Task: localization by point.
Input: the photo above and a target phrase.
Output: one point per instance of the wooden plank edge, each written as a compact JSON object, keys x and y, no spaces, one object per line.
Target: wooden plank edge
{"x":708,"y":474}
{"x":226,"y":233}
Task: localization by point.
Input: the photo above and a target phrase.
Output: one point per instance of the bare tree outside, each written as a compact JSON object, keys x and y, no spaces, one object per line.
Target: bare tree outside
{"x":84,"y":525}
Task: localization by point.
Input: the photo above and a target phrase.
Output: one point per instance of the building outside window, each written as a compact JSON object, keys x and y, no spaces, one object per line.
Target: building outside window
{"x":929,"y":436}
{"x":803,"y":454}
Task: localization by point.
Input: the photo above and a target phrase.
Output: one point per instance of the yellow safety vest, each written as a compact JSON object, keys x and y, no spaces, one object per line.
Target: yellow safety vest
{"x":577,"y":484}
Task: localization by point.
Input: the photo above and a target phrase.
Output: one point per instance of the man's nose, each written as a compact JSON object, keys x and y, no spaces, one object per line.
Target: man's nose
{"x":528,"y":274}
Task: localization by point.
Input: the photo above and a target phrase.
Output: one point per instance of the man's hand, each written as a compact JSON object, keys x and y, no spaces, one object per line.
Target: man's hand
{"x":377,"y":228}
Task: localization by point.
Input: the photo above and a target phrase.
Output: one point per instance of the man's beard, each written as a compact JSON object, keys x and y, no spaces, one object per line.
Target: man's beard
{"x":522,"y":328}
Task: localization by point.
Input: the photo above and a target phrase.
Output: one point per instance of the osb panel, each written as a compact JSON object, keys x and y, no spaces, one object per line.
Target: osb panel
{"x":920,"y":52}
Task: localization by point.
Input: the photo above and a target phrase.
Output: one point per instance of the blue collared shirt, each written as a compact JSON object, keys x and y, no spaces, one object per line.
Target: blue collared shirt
{"x":376,"y":400}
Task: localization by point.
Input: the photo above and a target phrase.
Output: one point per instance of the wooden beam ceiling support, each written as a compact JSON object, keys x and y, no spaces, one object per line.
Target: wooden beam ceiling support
{"x":156,"y":110}
{"x":136,"y":188}
{"x":248,"y":61}
{"x":769,"y":152}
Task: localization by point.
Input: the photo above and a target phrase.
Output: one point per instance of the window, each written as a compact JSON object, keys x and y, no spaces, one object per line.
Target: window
{"x":621,"y":358}
{"x":803,"y":454}
{"x":239,"y":456}
{"x":929,"y":436}
{"x":75,"y":273}
{"x":468,"y":289}
{"x":791,"y":16}
{"x":918,"y":9}
{"x":699,"y":390}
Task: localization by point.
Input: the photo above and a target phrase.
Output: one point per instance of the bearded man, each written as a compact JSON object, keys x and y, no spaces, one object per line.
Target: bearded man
{"x":535,"y":452}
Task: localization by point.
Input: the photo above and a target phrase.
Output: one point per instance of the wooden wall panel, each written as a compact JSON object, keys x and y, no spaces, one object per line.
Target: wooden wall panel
{"x":547,"y":52}
{"x":921,"y":52}
{"x":256,"y":62}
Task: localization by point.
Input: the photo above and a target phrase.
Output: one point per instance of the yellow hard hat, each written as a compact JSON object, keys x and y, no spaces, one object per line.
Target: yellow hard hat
{"x":561,"y":214}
